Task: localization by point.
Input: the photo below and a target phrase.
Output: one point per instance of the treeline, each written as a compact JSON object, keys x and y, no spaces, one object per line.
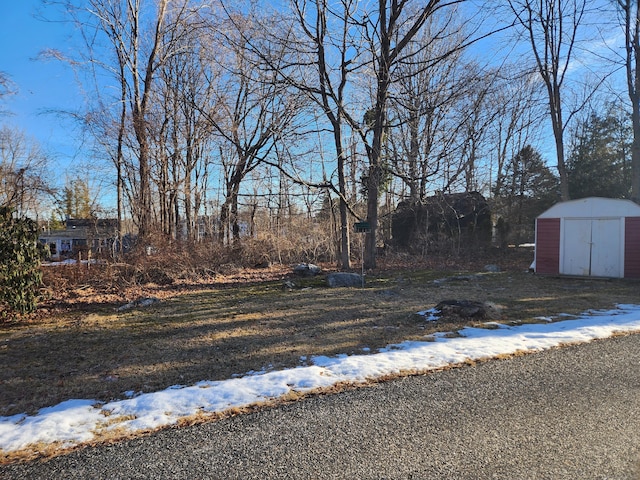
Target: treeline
{"x":223,"y":119}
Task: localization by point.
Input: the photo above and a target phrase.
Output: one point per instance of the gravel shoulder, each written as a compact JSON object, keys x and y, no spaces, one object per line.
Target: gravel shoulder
{"x":570,"y":412}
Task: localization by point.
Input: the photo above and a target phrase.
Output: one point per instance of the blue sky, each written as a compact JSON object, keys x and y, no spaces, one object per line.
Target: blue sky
{"x":47,"y":85}
{"x":41,"y":85}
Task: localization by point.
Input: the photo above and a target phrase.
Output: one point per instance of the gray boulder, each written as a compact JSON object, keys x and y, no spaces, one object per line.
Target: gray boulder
{"x":306,"y":270}
{"x":469,"y":309}
{"x":140,"y":303}
{"x":462,"y":308}
{"x":343,"y":279}
{"x":289,"y":285}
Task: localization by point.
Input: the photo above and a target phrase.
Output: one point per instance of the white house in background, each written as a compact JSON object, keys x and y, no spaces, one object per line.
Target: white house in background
{"x":598,"y":237}
{"x":79,"y":237}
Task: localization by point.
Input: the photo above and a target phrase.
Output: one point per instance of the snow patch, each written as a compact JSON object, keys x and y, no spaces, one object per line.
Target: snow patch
{"x":76,"y":421}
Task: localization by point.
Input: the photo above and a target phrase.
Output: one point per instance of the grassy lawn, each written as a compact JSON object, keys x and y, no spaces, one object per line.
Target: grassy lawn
{"x":223,"y":330}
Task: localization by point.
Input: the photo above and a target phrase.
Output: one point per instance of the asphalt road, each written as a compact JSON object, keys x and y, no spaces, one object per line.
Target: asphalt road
{"x":570,"y":413}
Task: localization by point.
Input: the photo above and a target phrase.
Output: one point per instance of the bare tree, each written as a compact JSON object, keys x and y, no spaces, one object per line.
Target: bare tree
{"x":314,"y":20}
{"x":424,"y":134}
{"x":516,"y":123}
{"x":131,"y":40}
{"x":630,"y":21}
{"x":142,"y":75}
{"x":183,"y":135}
{"x":388,"y":30}
{"x":23,"y":173}
{"x":252,"y":111}
{"x":474,"y":114}
{"x":316,"y":55}
{"x":328,"y":60}
{"x":339,"y":43}
{"x":552,"y":28}
{"x":6,"y":88}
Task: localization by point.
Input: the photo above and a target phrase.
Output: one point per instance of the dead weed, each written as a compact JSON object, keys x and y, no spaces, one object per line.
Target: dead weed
{"x":245,"y":321}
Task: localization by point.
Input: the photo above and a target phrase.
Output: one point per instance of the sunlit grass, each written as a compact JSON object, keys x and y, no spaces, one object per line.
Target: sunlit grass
{"x":212,"y":334}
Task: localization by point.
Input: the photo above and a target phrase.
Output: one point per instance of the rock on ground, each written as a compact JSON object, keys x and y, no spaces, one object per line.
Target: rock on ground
{"x":467,"y":308}
{"x":306,"y":270}
{"x":343,"y":279}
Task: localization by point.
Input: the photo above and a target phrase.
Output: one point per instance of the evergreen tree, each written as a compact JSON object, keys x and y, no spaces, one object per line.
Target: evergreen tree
{"x":600,"y":162}
{"x":527,"y":189}
{"x":76,"y":202}
{"x":20,"y":275}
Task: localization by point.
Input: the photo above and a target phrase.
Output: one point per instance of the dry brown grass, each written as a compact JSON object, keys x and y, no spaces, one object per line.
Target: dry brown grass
{"x":83,"y":348}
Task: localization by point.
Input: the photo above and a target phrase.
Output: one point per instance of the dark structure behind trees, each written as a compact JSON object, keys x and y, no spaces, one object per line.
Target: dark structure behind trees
{"x":444,"y":222}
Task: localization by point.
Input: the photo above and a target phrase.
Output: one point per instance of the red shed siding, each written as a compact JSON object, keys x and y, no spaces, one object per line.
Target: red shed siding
{"x":632,"y":247}
{"x":548,"y":246}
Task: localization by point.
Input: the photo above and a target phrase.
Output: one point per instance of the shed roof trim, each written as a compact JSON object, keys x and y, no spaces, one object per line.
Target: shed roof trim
{"x":593,"y":207}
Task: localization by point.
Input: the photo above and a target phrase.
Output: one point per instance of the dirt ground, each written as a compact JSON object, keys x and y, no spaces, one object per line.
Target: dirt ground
{"x":79,"y":345}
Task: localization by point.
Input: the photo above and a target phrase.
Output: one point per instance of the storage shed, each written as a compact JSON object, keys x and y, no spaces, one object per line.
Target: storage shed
{"x":593,"y":236}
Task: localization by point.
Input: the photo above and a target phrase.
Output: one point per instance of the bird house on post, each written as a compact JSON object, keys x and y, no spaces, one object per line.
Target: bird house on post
{"x":362,"y":227}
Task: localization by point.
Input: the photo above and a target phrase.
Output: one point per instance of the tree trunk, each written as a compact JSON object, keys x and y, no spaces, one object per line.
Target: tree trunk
{"x":144,"y":191}
{"x":235,"y":225}
{"x":558,"y":133}
{"x":414,"y":153}
{"x":632,"y":33}
{"x":345,"y":246}
{"x":379,"y":124}
{"x":224,"y":222}
{"x":635,"y":150}
{"x":372,"y":217}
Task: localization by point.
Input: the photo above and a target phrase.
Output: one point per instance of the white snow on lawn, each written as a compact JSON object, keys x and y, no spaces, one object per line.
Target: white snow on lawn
{"x":76,"y":421}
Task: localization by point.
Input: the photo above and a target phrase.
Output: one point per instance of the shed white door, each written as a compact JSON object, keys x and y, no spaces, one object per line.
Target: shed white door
{"x":592,"y":247}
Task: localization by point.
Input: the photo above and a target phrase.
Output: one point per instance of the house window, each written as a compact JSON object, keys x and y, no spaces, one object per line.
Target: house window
{"x":65,"y":246}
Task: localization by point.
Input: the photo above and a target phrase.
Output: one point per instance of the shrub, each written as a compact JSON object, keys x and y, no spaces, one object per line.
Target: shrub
{"x":20,"y":274}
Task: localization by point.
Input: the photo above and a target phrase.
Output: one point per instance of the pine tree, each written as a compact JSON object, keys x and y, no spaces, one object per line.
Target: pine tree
{"x":20,"y":275}
{"x":599,"y":164}
{"x":76,"y":201}
{"x":527,"y":189}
